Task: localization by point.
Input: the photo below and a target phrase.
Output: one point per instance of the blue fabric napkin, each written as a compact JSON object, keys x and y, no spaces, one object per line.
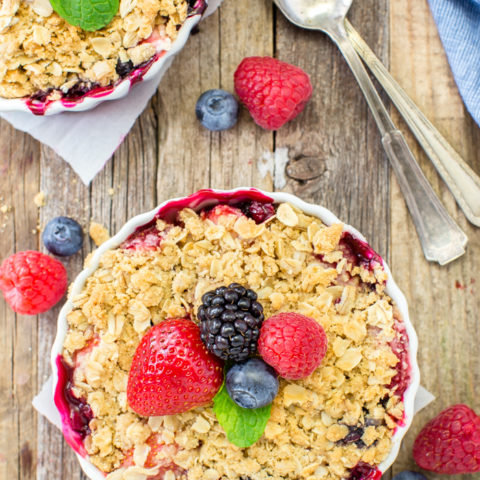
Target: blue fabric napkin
{"x":458,"y":23}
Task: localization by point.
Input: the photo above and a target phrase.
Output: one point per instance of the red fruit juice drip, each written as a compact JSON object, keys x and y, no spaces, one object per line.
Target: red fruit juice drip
{"x":201,"y":200}
{"x":361,"y":253}
{"x":75,"y":412}
{"x":148,"y":239}
{"x":364,"y":471}
{"x":38,"y":107}
{"x":400,"y":347}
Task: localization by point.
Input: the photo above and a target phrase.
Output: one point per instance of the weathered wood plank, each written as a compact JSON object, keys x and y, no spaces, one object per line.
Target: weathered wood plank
{"x":336,"y":133}
{"x":443,"y":301}
{"x":19,"y":179}
{"x":66,"y":196}
{"x":235,"y":153}
{"x":220,"y":160}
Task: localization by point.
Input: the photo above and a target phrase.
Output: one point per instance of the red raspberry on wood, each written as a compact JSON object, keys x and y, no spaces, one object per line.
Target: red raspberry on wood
{"x":274,"y":92}
{"x":450,"y":443}
{"x":32,"y":282}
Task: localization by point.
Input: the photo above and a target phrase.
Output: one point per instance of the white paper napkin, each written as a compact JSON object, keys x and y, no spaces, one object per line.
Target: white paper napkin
{"x":86,"y":140}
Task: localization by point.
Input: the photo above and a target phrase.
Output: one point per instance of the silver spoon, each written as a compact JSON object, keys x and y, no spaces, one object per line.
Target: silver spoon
{"x":441,"y":238}
{"x":462,"y":181}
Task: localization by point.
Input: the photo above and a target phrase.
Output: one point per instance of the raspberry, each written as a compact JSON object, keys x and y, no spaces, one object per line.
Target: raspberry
{"x":294,"y":345}
{"x":450,"y":443}
{"x":32,"y":282}
{"x":274,"y":92}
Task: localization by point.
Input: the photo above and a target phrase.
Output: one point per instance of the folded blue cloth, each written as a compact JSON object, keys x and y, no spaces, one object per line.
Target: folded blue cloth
{"x":458,"y":23}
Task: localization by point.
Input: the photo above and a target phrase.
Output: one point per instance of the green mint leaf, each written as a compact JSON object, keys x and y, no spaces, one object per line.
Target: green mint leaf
{"x":242,"y":425}
{"x":89,"y":15}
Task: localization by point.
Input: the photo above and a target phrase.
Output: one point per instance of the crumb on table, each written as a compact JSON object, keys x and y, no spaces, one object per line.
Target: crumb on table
{"x":98,"y":233}
{"x":40,"y":199}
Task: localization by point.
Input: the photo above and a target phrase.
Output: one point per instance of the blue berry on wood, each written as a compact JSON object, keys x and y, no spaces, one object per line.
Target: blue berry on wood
{"x":217,"y":110}
{"x":409,"y":475}
{"x":63,"y":236}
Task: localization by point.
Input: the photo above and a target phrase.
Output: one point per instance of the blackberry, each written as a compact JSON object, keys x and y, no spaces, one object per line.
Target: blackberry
{"x":230,"y":320}
{"x":124,"y":68}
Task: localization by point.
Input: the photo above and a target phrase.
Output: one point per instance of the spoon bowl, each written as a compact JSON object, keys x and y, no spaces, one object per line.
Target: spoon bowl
{"x":312,"y":14}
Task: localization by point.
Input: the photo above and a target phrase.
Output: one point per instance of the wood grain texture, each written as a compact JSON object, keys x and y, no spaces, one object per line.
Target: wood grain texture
{"x":18,"y":340}
{"x":335,"y":159}
{"x":444,"y":301}
{"x":353,"y":176}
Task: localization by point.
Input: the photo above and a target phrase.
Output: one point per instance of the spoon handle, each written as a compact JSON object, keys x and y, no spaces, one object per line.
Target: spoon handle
{"x":441,"y":238}
{"x":462,"y":181}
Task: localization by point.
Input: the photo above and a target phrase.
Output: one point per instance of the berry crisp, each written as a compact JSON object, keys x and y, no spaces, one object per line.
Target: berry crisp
{"x":46,"y":59}
{"x":336,"y":423}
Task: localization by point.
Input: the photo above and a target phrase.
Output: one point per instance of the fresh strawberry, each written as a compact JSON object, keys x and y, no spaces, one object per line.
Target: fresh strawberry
{"x":172,"y":371}
{"x":450,"y":443}
{"x":293,"y":344}
{"x":32,"y":282}
{"x":274,"y":92}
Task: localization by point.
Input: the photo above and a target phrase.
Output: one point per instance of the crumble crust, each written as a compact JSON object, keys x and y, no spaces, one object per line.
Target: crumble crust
{"x":307,"y":434}
{"x":39,"y":51}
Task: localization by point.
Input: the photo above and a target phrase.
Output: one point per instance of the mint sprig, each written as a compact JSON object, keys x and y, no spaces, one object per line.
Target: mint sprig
{"x":89,"y":15}
{"x":242,"y":425}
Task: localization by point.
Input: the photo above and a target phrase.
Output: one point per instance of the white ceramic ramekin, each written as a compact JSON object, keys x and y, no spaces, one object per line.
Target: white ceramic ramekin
{"x":206,"y":198}
{"x":120,"y":89}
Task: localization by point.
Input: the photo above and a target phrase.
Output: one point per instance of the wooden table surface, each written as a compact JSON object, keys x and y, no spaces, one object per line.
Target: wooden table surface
{"x":335,"y":159}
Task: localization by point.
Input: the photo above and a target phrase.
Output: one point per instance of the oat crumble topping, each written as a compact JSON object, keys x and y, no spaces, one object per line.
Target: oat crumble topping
{"x":295,"y":263}
{"x":40,"y":52}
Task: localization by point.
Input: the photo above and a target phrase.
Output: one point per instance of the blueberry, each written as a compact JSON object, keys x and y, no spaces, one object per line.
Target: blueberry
{"x":252,"y":383}
{"x":63,"y":236}
{"x":217,"y":110}
{"x":408,"y":475}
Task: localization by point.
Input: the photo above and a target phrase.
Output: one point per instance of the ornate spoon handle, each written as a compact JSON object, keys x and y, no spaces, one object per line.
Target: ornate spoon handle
{"x":462,"y":181}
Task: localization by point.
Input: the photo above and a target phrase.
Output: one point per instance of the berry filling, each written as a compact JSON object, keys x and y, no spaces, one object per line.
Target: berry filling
{"x":148,"y":239}
{"x":260,"y":212}
{"x":252,"y":203}
{"x":158,"y":456}
{"x":75,"y":412}
{"x":364,"y":471}
{"x":359,"y":252}
{"x":399,"y":346}
{"x":38,"y":104}
{"x":354,"y":435}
